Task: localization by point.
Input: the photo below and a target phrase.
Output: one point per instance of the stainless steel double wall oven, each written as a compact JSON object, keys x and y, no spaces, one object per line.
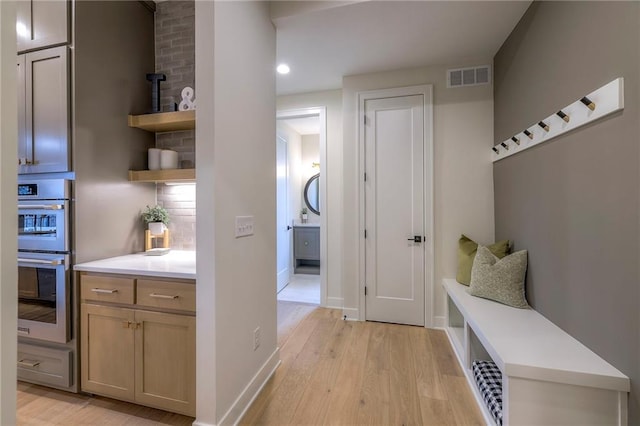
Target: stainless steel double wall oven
{"x":44,"y":280}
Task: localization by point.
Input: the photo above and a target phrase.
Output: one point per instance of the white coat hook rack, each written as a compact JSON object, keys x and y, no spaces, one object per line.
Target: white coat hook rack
{"x":597,"y":104}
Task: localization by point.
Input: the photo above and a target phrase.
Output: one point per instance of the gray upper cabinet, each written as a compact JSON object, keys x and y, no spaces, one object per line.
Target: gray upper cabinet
{"x":41,"y":24}
{"x":43,"y":102}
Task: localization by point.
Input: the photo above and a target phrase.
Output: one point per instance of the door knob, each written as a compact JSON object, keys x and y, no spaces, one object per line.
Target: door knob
{"x":415,"y":239}
{"x":288,"y":228}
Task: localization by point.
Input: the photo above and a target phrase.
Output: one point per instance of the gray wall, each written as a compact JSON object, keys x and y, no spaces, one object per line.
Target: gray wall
{"x":176,"y":58}
{"x":573,"y":202}
{"x":113,"y":51}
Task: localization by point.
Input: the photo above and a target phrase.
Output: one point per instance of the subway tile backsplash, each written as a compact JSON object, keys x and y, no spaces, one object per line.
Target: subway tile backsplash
{"x":180,"y":202}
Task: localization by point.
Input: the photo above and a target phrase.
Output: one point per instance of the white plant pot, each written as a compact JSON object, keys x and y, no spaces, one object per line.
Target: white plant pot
{"x":304,"y":218}
{"x":156,"y":228}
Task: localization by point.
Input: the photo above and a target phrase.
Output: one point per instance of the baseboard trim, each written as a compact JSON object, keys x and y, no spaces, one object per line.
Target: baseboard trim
{"x":334,"y":302}
{"x":439,"y":322}
{"x":351,"y":314}
{"x":251,"y":391}
{"x":197,"y":423}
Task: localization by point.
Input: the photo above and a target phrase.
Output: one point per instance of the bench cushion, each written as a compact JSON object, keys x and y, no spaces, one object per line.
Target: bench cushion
{"x":489,"y":380}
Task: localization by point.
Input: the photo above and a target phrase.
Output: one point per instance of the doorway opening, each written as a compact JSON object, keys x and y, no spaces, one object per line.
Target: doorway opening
{"x":301,"y":197}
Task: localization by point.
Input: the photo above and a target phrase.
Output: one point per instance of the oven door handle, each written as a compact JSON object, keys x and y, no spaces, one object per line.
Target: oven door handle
{"x":41,"y":206}
{"x":54,"y":262}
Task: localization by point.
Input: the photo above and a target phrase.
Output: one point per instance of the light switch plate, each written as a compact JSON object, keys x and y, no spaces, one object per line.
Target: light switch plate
{"x":244,"y":226}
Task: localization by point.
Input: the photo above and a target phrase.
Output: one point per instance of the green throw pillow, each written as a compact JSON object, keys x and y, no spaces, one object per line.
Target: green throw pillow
{"x":467,"y":252}
{"x":501,"y":280}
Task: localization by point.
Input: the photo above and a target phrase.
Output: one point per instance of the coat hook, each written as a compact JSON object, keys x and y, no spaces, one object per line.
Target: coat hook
{"x":528,"y":133}
{"x":516,"y":140}
{"x":544,"y":125}
{"x":505,"y":146}
{"x":562,"y":115}
{"x":589,"y":103}
{"x":495,"y":150}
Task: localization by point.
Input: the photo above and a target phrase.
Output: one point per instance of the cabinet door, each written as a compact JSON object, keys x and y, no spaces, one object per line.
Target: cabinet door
{"x":47,"y":115}
{"x":107,"y":351}
{"x":42,"y":23}
{"x":165,"y":361}
{"x":22,"y":109}
{"x":307,"y":243}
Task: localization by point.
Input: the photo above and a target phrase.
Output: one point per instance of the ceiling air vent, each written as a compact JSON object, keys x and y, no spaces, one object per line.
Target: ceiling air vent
{"x":474,"y":76}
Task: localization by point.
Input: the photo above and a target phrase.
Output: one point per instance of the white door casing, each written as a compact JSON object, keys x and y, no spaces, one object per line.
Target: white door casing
{"x":321,"y":112}
{"x":282,"y":216}
{"x":396,"y":271}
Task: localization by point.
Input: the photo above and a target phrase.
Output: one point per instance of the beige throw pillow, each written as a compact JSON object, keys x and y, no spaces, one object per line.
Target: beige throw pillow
{"x":501,"y":280}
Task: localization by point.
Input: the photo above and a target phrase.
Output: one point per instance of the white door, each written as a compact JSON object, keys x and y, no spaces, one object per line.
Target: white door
{"x":395,"y":209}
{"x":282,"y":217}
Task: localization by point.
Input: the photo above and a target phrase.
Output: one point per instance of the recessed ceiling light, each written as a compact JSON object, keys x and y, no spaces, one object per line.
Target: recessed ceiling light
{"x":283,"y":69}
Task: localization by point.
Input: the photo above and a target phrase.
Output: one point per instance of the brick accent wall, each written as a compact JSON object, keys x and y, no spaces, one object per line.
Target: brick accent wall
{"x":175,"y":57}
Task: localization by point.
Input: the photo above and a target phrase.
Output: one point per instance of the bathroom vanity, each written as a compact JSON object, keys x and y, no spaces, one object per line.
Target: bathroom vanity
{"x":306,"y":249}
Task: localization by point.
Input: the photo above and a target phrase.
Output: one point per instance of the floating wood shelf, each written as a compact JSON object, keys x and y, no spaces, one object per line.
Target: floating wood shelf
{"x":160,"y":176}
{"x":164,"y":121}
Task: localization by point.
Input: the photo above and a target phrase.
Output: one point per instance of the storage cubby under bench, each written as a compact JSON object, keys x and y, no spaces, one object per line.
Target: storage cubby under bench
{"x":548,"y":377}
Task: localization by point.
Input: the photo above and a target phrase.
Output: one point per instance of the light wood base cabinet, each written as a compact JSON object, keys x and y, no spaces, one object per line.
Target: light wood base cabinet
{"x":107,"y":351}
{"x":166,"y":361}
{"x":138,"y":353}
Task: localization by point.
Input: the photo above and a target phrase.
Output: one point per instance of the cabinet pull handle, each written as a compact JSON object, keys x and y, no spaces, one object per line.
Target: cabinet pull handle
{"x":126,"y":324}
{"x":104,"y":290}
{"x":163,"y":296}
{"x":28,"y":363}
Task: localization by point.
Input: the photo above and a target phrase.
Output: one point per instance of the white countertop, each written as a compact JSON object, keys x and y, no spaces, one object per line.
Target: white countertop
{"x":175,"y":264}
{"x":307,"y":225}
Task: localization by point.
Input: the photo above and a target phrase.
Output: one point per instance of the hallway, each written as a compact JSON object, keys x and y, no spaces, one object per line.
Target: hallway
{"x":342,"y":372}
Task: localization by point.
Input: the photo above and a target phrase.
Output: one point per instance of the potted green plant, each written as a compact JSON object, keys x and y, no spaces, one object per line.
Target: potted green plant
{"x":303,"y":215}
{"x":156,"y":218}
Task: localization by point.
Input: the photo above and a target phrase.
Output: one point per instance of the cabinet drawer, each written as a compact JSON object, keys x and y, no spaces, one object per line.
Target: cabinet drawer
{"x":167,"y":294}
{"x":107,"y":289}
{"x":44,"y":365}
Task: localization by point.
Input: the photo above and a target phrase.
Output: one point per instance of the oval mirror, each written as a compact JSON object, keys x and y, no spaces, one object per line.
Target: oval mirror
{"x":312,"y":193}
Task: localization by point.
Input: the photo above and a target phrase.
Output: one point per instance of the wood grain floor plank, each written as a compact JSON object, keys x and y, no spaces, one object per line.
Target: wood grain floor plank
{"x":436,"y":412}
{"x":404,"y":404}
{"x":345,"y":401}
{"x":314,"y":405}
{"x":463,"y":405}
{"x":446,"y":361}
{"x":375,"y":390}
{"x":284,"y":402}
{"x":40,"y":406}
{"x":427,"y":372}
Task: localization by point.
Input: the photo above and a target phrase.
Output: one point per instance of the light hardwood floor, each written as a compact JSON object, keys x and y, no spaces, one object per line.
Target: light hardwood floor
{"x":333,"y":372}
{"x":339,"y":372}
{"x":40,"y":406}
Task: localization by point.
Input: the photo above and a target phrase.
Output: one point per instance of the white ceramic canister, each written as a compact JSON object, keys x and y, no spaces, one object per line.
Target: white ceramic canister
{"x":168,"y":159}
{"x":154,"y":158}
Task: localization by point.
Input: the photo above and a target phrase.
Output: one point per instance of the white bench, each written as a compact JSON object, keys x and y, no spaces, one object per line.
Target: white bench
{"x":548,"y":377}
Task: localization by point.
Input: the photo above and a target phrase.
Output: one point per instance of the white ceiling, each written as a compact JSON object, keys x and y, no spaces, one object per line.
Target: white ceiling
{"x":323,"y":45}
{"x":304,"y":125}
